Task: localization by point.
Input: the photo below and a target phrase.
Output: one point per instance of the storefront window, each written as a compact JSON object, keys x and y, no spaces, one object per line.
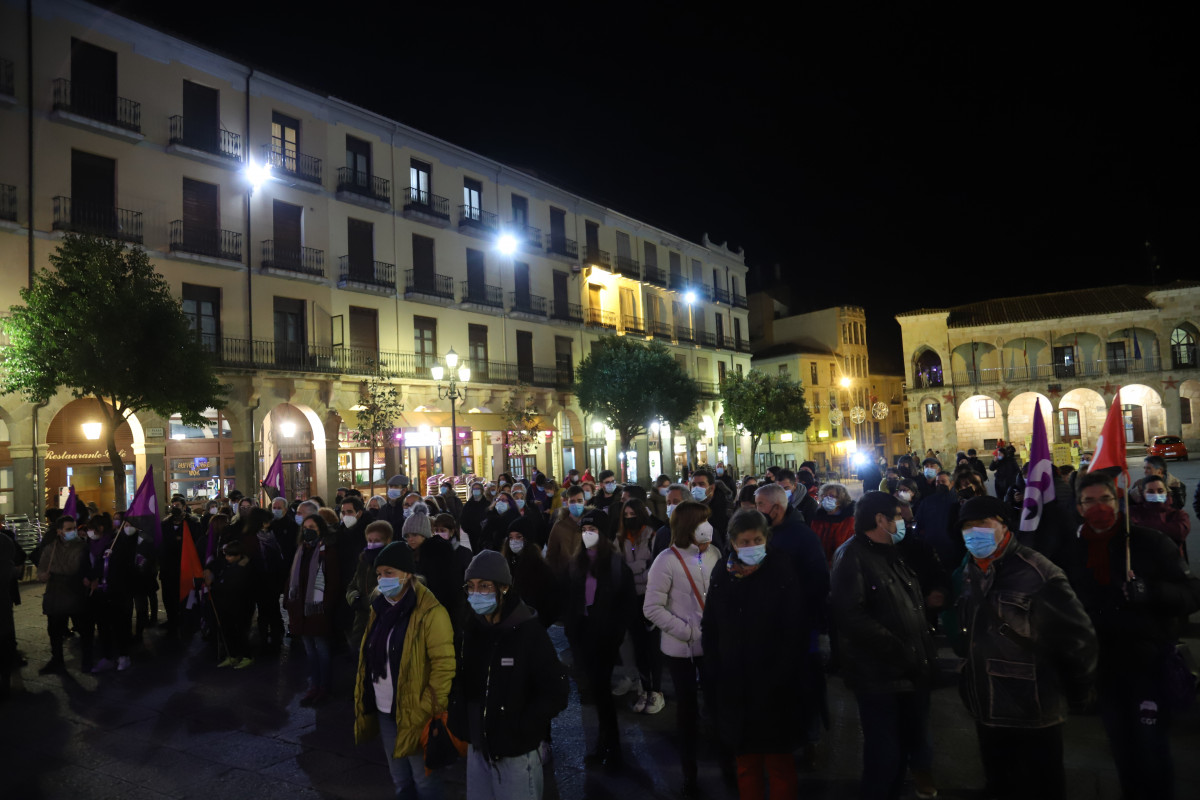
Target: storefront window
{"x":200,"y":458}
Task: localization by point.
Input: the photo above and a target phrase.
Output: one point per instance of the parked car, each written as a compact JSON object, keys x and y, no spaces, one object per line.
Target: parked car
{"x":1169,"y":447}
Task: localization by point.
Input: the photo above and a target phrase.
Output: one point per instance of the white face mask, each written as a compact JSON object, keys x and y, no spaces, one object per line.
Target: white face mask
{"x":671,"y":509}
{"x":349,"y":520}
{"x":590,"y":539}
{"x":516,"y":545}
{"x":129,"y":530}
{"x":704,"y":532}
{"x":663,"y":490}
{"x":904,"y":497}
{"x":444,"y":534}
{"x":1156,"y":498}
{"x":610,"y":487}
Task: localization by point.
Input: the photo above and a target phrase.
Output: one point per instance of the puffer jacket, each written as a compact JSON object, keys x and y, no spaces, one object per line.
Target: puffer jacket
{"x":426,"y":672}
{"x":833,"y":528}
{"x":880,"y":614}
{"x":670,"y":602}
{"x":638,"y":557}
{"x":1030,"y":647}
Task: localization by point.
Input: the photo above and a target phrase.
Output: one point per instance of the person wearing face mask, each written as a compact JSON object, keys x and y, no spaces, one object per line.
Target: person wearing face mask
{"x":724,"y":476}
{"x":656,"y":498}
{"x":538,"y":529}
{"x":473,"y":514}
{"x":532,"y":578}
{"x":676,"y":494}
{"x":1017,"y":609}
{"x":358,"y":590}
{"x":405,"y":668}
{"x":641,"y":657}
{"x":589,"y":493}
{"x":495,"y":525}
{"x":708,"y":490}
{"x":1156,"y":512}
{"x":563,"y":542}
{"x":834,"y":520}
{"x":926,"y":479}
{"x":286,"y":529}
{"x":753,"y":637}
{"x":502,"y":722}
{"x":446,"y":492}
{"x":110,"y":594}
{"x":934,"y":521}
{"x":1004,"y":465}
{"x":170,"y":554}
{"x":445,"y":527}
{"x":797,"y":494}
{"x":675,"y":596}
{"x":268,"y":572}
{"x":232,"y":592}
{"x":1135,"y":587}
{"x":314,"y":584}
{"x":434,"y":561}
{"x":887,"y":652}
{"x":61,"y":567}
{"x":598,"y":605}
{"x":607,"y":491}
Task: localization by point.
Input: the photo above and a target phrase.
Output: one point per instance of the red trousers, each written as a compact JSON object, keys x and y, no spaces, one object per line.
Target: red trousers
{"x":780,"y":773}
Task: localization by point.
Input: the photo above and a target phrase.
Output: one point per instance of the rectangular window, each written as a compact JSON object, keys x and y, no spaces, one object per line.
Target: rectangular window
{"x":985,"y":408}
{"x":721,"y":373}
{"x":420,"y":182}
{"x":425,"y":341}
{"x":721,"y":330}
{"x":520,"y":210}
{"x":591,"y":234}
{"x":1064,"y":362}
{"x":737,"y":331}
{"x":201,"y":218}
{"x":676,"y":265}
{"x":201,"y":117}
{"x":681,"y":360}
{"x":476,"y":276}
{"x":477,"y":348}
{"x":563,"y":365}
{"x":783,"y":370}
{"x":364,"y":333}
{"x":812,"y":373}
{"x":287,"y":232}
{"x":833,"y":374}
{"x":285,"y":141}
{"x":472,"y":202}
{"x":290,"y":332}
{"x":558,"y":231}
{"x":697,"y":272}
{"x":1115,"y":352}
{"x":358,"y":159}
{"x":424,"y":275}
{"x":1185,"y":410}
{"x":360,"y":249}
{"x":738,"y":369}
{"x":525,"y":356}
{"x":650,"y":254}
{"x":93,"y":81}
{"x":933,"y":412}
{"x":521,"y":284}
{"x":202,"y":307}
{"x":1068,"y":423}
{"x":624,"y":245}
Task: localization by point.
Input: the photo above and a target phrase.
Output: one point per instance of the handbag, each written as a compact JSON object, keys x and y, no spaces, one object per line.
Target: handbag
{"x":441,"y":748}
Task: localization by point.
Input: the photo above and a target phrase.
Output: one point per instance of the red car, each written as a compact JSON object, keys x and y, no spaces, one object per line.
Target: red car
{"x":1169,"y":447}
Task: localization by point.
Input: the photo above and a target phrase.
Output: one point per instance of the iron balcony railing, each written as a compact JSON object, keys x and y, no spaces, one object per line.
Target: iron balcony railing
{"x":292,"y":257}
{"x":219,"y":142}
{"x":364,"y":184}
{"x":210,"y":242}
{"x":6,"y":77}
{"x":739,"y":301}
{"x":660,"y":330}
{"x":526,"y":303}
{"x":8,"y":202}
{"x":654,"y":275}
{"x":428,"y":283}
{"x":279,"y":156}
{"x":720,"y":295}
{"x":426,"y":202}
{"x":683,"y":333}
{"x":372,"y":273}
{"x":633,"y":324}
{"x":709,"y":388}
{"x":561,"y":245}
{"x":597,"y":257}
{"x":705,"y":338}
{"x":527,"y":235}
{"x":475,"y":217}
{"x":1079,"y":369}
{"x":567,"y":312}
{"x":99,"y":106}
{"x":482,"y":294}
{"x":678,"y":282}
{"x":97,"y":219}
{"x":628,"y":267}
{"x":601,"y":319}
{"x":723,"y":341}
{"x":743,"y":345}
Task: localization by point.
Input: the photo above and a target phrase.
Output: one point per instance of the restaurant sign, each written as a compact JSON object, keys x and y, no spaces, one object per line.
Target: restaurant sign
{"x":82,"y":454}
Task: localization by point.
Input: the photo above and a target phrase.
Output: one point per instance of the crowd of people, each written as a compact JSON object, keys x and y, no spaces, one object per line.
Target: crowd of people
{"x":749,"y":594}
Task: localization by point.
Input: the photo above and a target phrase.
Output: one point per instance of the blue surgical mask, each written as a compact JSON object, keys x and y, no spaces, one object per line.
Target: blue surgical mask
{"x":445,"y":490}
{"x":899,"y":534}
{"x":610,"y":486}
{"x":788,"y":492}
{"x":752,"y":555}
{"x":576,"y":509}
{"x":829,"y":503}
{"x":389,"y":587}
{"x":1156,"y":498}
{"x":277,"y":513}
{"x":516,"y":545}
{"x":720,"y":471}
{"x":981,"y":542}
{"x":71,"y":535}
{"x":586,"y":495}
{"x":930,"y":473}
{"x":476,"y":494}
{"x":501,"y":507}
{"x":299,"y":519}
{"x":482,"y":602}
{"x":408,"y":512}
{"x":520,"y":501}
{"x":699,"y":494}
{"x":394,"y":494}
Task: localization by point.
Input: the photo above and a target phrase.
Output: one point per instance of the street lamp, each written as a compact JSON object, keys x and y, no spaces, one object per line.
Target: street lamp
{"x":452,"y":394}
{"x":507,"y":244}
{"x":91,"y":430}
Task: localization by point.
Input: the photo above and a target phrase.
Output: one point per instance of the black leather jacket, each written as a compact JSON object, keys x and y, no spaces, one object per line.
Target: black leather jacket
{"x":1030,"y":647}
{"x":880,"y":619}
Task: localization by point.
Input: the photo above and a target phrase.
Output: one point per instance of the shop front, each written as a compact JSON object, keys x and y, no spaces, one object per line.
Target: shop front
{"x":199,"y":460}
{"x":77,"y":456}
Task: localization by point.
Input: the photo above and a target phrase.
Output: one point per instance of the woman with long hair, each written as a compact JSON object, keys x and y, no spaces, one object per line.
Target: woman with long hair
{"x":643,"y":668}
{"x":314,"y":585}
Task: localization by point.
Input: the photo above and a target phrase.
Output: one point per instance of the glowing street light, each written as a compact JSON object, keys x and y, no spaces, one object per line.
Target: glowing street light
{"x":689,"y":297}
{"x":256,"y":174}
{"x":91,"y":430}
{"x":845,"y":383}
{"x":507,"y":244}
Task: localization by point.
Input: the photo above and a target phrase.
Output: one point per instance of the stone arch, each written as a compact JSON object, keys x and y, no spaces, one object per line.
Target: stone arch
{"x":927,"y":368}
{"x":72,"y":458}
{"x":1020,"y":357}
{"x":980,"y":423}
{"x":1086,"y":423}
{"x":1184,"y":341}
{"x":298,"y":432}
{"x":1020,"y":419}
{"x":1145,"y":416}
{"x":975,"y":363}
{"x":1132,"y":340}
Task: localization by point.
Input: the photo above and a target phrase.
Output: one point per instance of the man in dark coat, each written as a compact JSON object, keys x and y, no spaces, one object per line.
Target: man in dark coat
{"x":705,"y":490}
{"x":393,"y":512}
{"x":473,"y":514}
{"x":453,"y":504}
{"x":169,"y":557}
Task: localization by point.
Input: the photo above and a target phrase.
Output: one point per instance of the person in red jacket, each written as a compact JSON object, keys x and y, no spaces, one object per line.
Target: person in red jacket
{"x":1155,"y":511}
{"x":834,"y":520}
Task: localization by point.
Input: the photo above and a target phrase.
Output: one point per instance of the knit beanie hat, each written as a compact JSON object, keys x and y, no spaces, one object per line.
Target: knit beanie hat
{"x":488,"y":565}
{"x":396,"y":555}
{"x":523,"y":526}
{"x":418,"y":521}
{"x":594,"y":518}
{"x":978,"y":508}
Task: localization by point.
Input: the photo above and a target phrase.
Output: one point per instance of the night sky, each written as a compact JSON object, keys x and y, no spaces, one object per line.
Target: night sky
{"x":893,"y":160}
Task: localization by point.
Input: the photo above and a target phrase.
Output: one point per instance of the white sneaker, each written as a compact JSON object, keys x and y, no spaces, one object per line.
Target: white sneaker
{"x":624,"y":686}
{"x":655,"y":703}
{"x":103,"y":665}
{"x":639,"y":705}
{"x":123,"y":663}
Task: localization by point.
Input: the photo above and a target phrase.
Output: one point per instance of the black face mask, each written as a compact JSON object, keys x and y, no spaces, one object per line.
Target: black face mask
{"x":966,"y":494}
{"x":892,"y":483}
{"x":942,"y":489}
{"x":176,"y":512}
{"x":308,"y":536}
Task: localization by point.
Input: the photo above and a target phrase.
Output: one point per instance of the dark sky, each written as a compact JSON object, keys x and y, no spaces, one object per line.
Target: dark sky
{"x":894,"y":160}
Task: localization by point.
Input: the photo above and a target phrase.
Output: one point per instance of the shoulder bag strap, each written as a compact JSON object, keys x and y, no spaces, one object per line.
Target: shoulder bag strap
{"x":688,"y":573}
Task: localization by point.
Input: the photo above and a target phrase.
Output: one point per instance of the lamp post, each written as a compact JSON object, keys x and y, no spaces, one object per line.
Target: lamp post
{"x":452,"y":394}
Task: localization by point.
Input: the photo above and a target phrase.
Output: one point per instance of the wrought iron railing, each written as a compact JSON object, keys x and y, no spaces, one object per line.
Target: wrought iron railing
{"x":660,"y":330}
{"x":562,"y":245}
{"x":720,"y":295}
{"x":743,"y":345}
{"x":364,"y":184}
{"x":678,"y":282}
{"x":739,"y":301}
{"x":705,"y":338}
{"x":654,"y":275}
{"x":683,"y":333}
{"x":628,"y":267}
{"x":482,"y":294}
{"x":219,"y":142}
{"x":476,"y":217}
{"x":212,"y":242}
{"x":527,"y":235}
{"x":600,"y":319}
{"x":97,"y":219}
{"x":99,"y":106}
{"x":292,"y":257}
{"x":372,"y":273}
{"x":279,"y":156}
{"x":525,"y":303}
{"x":1183,"y":356}
{"x":426,"y":202}
{"x":597,"y":257}
{"x":428,"y":283}
{"x":567,"y":312}
{"x":633,"y":324}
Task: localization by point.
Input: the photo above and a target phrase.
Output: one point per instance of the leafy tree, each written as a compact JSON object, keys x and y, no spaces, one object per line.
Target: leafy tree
{"x":521,"y":423}
{"x":103,"y":324}
{"x":628,"y":384}
{"x":376,"y":419}
{"x":763,"y":404}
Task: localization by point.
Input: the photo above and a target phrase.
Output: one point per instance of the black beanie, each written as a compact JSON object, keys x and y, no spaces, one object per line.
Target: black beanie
{"x":978,"y":508}
{"x":397,"y":555}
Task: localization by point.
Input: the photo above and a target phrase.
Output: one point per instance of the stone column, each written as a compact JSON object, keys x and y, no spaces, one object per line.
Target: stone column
{"x":1004,"y":419}
{"x":23,"y":499}
{"x":1170,"y":400}
{"x":642,"y":445}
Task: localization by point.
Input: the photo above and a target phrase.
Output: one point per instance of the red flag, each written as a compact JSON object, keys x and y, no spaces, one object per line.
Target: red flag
{"x":1110,"y":446}
{"x":189,"y":565}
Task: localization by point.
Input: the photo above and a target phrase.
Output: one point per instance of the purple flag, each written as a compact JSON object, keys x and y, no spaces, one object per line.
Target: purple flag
{"x":1039,"y":484}
{"x":143,"y":511}
{"x":1137,"y":348}
{"x":273,"y":483}
{"x":69,"y":507}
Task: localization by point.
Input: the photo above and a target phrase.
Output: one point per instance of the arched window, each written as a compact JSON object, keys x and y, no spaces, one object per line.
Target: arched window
{"x":1183,"y":348}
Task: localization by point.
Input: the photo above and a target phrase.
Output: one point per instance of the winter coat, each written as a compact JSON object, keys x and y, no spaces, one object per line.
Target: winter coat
{"x":1006,"y":470}
{"x":473,"y":514}
{"x":657,"y":505}
{"x":287,"y":535}
{"x":804,"y":504}
{"x":833,"y":529}
{"x":8,"y":631}
{"x":538,"y":530}
{"x":753,"y":638}
{"x":320,"y":622}
{"x":62,"y":567}
{"x":1163,"y":518}
{"x":233,"y":591}
{"x":122,"y":570}
{"x":933,"y":517}
{"x":794,"y":540}
{"x":423,"y":684}
{"x":638,"y":557}
{"x":435,"y":560}
{"x":535,"y":584}
{"x":670,"y":602}
{"x":1030,"y":647}
{"x":923,"y":560}
{"x":510,"y":683}
{"x":495,"y":528}
{"x":613,"y":610}
{"x":358,"y":593}
{"x":1176,"y":492}
{"x":880,"y":619}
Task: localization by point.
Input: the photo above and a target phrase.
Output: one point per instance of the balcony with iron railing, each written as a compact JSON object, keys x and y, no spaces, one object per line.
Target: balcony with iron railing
{"x":633,"y":324}
{"x":525,"y":303}
{"x":375,"y":274}
{"x":215,"y":141}
{"x":566,"y":312}
{"x":654,"y":275}
{"x":97,"y":219}
{"x":291,"y":257}
{"x":628,"y":268}
{"x":709,"y":389}
{"x":683,"y":333}
{"x":98,"y":106}
{"x":476,"y":218}
{"x":660,"y":330}
{"x":705,"y":338}
{"x":739,"y":301}
{"x":6,"y":80}
{"x":1183,"y":356}
{"x":594,"y":256}
{"x":678,"y":282}
{"x":720,"y":295}
{"x":1043,"y":372}
{"x":527,"y":235}
{"x":743,"y":345}
{"x":291,"y":162}
{"x":482,"y":294}
{"x":208,"y":242}
{"x":8,"y":202}
{"x":428,"y":284}
{"x":425,"y":202}
{"x":597,"y":318}
{"x":562,"y":246}
{"x":357,"y":183}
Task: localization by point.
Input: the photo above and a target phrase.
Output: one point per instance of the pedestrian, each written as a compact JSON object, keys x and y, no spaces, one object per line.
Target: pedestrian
{"x":1135,"y":587}
{"x":1157,"y":512}
{"x":315,"y":581}
{"x":112,"y":590}
{"x":1030,"y":649}
{"x":445,"y":527}
{"x":599,"y":602}
{"x":62,"y":567}
{"x":268,"y":575}
{"x":526,"y":510}
{"x":503,"y":720}
{"x":563,"y":541}
{"x":675,"y":589}
{"x":708,"y":490}
{"x":887,"y":653}
{"x":473,"y":514}
{"x":656,"y":500}
{"x":499,"y":517}
{"x":434,"y":561}
{"x":834,"y":520}
{"x":1004,"y":465}
{"x":145,"y":581}
{"x":797,"y":494}
{"x":753,"y":636}
{"x":607,"y":495}
{"x":448,"y":496}
{"x":641,"y":656}
{"x":1156,"y":467}
{"x":935,"y":516}
{"x":531,"y":578}
{"x":233,"y":593}
{"x":359,"y":588}
{"x":404,"y":672}
{"x":392,"y":511}
{"x":725,"y":477}
{"x":676,"y":494}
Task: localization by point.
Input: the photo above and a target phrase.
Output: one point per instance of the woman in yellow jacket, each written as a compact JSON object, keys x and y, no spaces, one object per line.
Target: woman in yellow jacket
{"x":405,"y":667}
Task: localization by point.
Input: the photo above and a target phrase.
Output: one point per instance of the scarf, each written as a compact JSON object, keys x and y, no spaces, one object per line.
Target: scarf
{"x":391,"y":620}
{"x":986,"y":563}
{"x":1097,"y":551}
{"x":314,"y":598}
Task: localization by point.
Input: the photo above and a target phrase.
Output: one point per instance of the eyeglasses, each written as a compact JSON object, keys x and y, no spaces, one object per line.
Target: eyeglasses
{"x":481,"y":587}
{"x":1091,"y":501}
